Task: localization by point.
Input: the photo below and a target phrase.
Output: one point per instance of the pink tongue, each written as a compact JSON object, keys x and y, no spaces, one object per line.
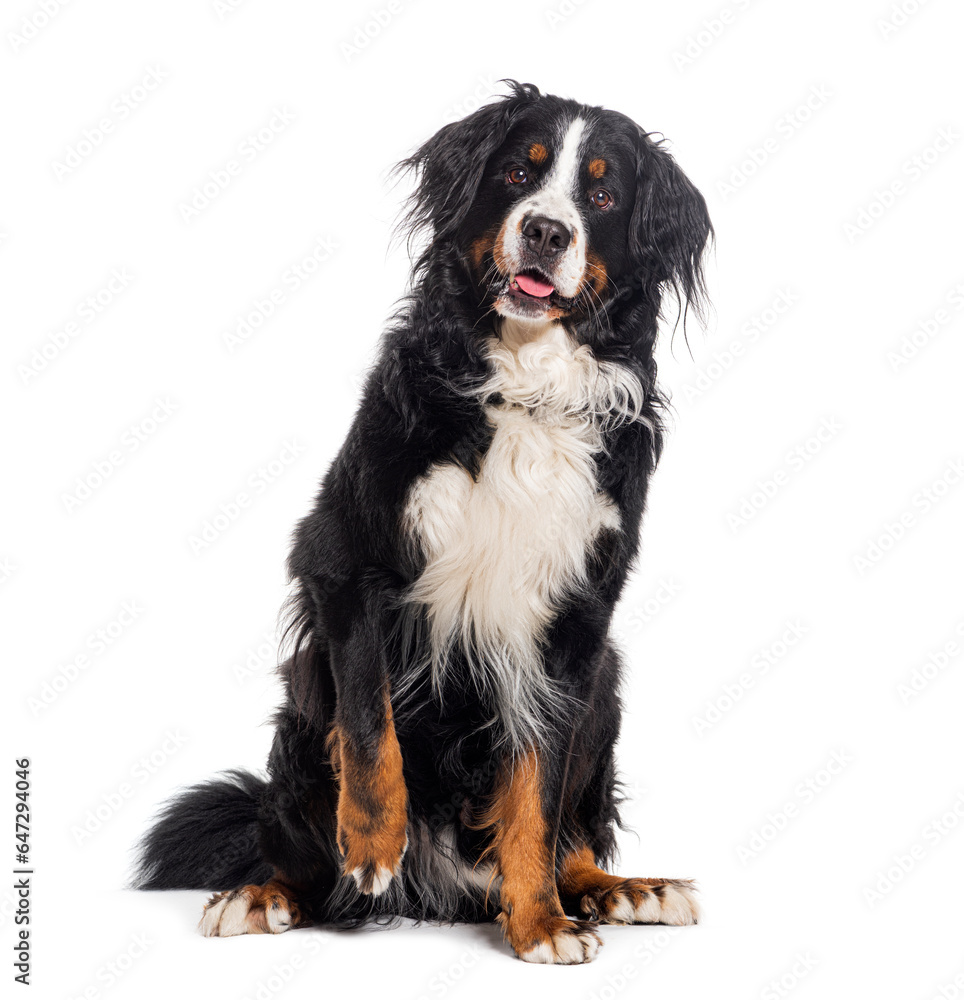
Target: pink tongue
{"x":532,"y":286}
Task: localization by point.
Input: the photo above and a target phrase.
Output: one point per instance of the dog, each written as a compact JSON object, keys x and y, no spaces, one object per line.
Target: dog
{"x":445,"y":750}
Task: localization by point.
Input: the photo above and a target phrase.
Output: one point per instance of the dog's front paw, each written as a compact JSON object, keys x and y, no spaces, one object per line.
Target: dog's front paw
{"x":372,"y":860}
{"x":642,"y":901}
{"x":252,"y":909}
{"x":552,"y":940}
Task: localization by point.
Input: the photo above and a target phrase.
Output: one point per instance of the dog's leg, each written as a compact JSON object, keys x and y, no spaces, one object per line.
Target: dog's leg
{"x":372,"y":799}
{"x":614,"y":900}
{"x":359,"y":611}
{"x":532,"y":917}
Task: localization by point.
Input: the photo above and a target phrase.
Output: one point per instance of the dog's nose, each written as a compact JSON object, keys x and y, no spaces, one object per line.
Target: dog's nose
{"x":546,"y":237}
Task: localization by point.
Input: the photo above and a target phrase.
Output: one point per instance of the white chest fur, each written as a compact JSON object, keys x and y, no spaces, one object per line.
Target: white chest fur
{"x":504,"y":550}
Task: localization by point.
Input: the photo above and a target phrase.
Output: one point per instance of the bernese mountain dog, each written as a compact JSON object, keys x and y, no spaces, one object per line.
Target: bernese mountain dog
{"x":445,"y":750}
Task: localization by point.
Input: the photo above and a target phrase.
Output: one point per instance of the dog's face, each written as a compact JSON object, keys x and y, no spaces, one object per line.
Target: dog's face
{"x":553,"y":207}
{"x":552,"y":214}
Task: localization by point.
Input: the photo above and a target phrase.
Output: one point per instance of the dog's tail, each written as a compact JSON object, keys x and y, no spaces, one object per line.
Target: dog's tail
{"x":206,"y":838}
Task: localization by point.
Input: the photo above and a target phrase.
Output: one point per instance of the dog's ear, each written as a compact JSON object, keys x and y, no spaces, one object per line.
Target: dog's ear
{"x":670,"y":225}
{"x":450,"y":165}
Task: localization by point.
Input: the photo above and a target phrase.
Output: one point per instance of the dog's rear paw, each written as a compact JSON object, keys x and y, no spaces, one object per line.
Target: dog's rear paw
{"x":643,"y":901}
{"x":252,"y":909}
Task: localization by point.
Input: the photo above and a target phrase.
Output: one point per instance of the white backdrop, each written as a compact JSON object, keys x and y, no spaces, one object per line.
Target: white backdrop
{"x":195,"y":225}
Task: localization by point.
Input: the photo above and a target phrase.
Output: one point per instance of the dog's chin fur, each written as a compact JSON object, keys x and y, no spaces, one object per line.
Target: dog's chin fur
{"x":448,"y":644}
{"x":524,"y":323}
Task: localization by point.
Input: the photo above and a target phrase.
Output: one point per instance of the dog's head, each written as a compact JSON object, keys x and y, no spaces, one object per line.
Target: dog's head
{"x":554,"y":208}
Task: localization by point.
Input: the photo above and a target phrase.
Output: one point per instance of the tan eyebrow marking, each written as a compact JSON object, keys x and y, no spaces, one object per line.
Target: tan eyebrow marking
{"x":597,"y":168}
{"x":538,"y":153}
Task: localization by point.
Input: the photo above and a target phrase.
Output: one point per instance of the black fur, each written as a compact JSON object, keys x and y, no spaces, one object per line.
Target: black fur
{"x":177,"y":852}
{"x":351,"y":561}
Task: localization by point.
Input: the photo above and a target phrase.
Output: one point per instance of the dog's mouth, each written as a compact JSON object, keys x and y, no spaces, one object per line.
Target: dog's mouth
{"x":532,"y":285}
{"x":535,"y":290}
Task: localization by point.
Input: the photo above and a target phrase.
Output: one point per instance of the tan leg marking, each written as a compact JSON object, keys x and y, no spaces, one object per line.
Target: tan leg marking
{"x":372,"y":807}
{"x":532,"y":917}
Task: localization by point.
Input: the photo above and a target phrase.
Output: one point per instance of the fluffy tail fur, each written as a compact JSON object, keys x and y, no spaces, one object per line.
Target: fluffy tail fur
{"x":206,"y":838}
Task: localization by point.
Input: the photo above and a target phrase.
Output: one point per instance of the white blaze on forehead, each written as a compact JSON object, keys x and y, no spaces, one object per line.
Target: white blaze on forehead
{"x":555,"y":199}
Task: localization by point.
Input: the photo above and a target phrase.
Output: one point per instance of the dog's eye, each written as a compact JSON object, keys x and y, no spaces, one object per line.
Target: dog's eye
{"x":517,"y":175}
{"x":602,"y":198}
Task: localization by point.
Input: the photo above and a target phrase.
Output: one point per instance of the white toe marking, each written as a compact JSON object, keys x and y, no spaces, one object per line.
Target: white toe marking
{"x":564,"y":949}
{"x":381,"y":881}
{"x":678,"y":906}
{"x":278,"y":920}
{"x":211,"y":918}
{"x":569,"y":948}
{"x":622,"y":912}
{"x":648,"y":911}
{"x":233,"y":919}
{"x":542,"y":954}
{"x":591,"y":943}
